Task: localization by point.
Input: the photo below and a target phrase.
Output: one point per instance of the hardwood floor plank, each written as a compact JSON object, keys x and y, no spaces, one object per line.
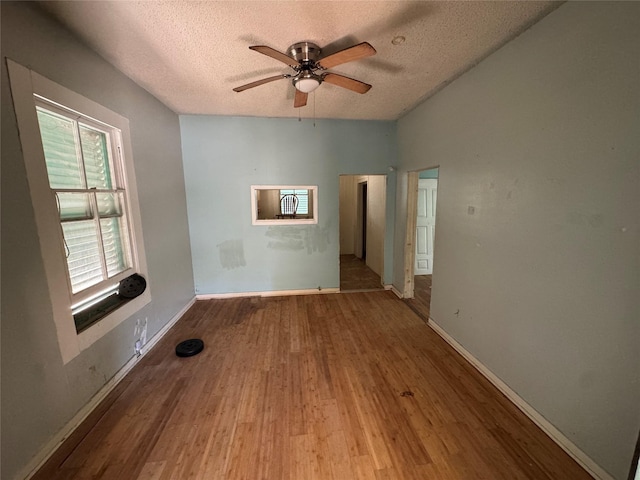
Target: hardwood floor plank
{"x":363,"y":467}
{"x":376,"y":446}
{"x":345,"y":386}
{"x":354,"y":432}
{"x":335,"y":451}
{"x":217,"y":451}
{"x":304,"y":457}
{"x":151,"y":471}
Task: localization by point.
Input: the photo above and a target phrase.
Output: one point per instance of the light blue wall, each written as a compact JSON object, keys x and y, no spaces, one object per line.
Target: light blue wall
{"x":431,"y":173}
{"x":537,"y":247}
{"x":223,"y":156}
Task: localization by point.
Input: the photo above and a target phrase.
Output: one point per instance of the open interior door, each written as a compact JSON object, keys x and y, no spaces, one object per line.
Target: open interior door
{"x":425,"y":225}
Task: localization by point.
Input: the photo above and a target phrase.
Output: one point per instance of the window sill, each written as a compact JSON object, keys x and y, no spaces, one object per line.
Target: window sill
{"x":111,"y":320}
{"x":287,"y":221}
{"x":97,"y":312}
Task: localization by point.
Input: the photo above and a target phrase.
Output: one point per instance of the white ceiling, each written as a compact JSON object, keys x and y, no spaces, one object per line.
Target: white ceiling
{"x":190,"y":55}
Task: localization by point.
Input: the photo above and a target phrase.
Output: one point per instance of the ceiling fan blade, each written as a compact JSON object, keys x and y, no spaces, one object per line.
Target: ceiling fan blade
{"x":259,"y":82}
{"x":270,"y":52}
{"x":346,"y":82}
{"x":300,"y":99}
{"x":350,"y":54}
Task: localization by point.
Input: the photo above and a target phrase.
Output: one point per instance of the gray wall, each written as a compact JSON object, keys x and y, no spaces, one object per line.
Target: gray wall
{"x":39,"y":393}
{"x":223,"y":156}
{"x":537,"y":239}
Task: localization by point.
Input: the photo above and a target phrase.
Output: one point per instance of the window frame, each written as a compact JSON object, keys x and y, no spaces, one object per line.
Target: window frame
{"x":26,"y":86}
{"x":117,"y":167}
{"x":313,"y":214}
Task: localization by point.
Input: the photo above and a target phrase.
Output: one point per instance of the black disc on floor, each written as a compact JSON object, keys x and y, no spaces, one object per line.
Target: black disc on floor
{"x":189,"y":347}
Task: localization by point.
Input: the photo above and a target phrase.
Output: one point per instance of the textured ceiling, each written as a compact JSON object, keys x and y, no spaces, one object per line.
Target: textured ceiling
{"x":190,"y":55}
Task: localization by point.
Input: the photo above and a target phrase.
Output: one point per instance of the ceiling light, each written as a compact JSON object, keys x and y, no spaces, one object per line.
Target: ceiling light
{"x":307,"y":82}
{"x":399,"y":40}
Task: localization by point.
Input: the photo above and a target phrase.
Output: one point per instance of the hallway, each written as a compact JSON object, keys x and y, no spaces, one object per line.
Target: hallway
{"x":356,"y":276}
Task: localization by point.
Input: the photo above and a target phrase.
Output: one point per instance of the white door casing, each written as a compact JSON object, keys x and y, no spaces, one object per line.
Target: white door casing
{"x":425,"y":225}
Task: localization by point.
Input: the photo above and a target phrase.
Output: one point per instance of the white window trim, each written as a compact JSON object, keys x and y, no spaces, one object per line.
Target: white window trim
{"x":24,"y":84}
{"x":284,"y":221}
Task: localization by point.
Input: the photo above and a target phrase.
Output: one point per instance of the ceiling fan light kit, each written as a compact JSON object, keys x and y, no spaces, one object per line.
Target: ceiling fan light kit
{"x":307,"y":82}
{"x":310,"y":68}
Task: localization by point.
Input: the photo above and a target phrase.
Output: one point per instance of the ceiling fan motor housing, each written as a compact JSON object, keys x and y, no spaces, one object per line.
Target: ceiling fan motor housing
{"x":305,"y":52}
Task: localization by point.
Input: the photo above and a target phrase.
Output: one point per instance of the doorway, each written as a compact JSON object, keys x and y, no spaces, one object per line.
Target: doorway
{"x":360,"y":249}
{"x":362,"y":232}
{"x":425,"y":225}
{"x":421,"y":223}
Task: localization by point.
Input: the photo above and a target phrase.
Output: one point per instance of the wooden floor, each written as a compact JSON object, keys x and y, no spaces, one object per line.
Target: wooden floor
{"x":355,"y":275}
{"x":336,"y":386}
{"x":421,"y":303}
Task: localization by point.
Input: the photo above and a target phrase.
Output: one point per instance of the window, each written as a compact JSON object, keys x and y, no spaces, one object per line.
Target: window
{"x":303,"y":201}
{"x":276,"y":204}
{"x":85,"y":177}
{"x":79,"y":166}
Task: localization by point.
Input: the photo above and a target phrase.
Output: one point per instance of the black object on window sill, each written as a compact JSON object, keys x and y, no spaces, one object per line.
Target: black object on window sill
{"x":128,"y":289}
{"x":132,"y":286}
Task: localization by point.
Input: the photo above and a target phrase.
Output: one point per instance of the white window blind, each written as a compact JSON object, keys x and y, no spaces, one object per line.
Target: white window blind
{"x":303,"y":200}
{"x":84,"y":174}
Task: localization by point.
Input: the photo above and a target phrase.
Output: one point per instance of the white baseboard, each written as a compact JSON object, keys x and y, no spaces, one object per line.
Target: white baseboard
{"x":272,"y":293}
{"x":396,"y":291}
{"x":567,"y":445}
{"x":52,"y":445}
{"x":163,"y":331}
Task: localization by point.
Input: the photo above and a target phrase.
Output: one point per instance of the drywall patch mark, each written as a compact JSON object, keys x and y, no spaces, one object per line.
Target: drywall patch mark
{"x":311,"y":238}
{"x":317,"y":239}
{"x":286,"y":238}
{"x":231,"y":254}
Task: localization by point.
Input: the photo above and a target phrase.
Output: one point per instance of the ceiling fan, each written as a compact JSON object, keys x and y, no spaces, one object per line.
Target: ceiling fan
{"x":310,"y":68}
